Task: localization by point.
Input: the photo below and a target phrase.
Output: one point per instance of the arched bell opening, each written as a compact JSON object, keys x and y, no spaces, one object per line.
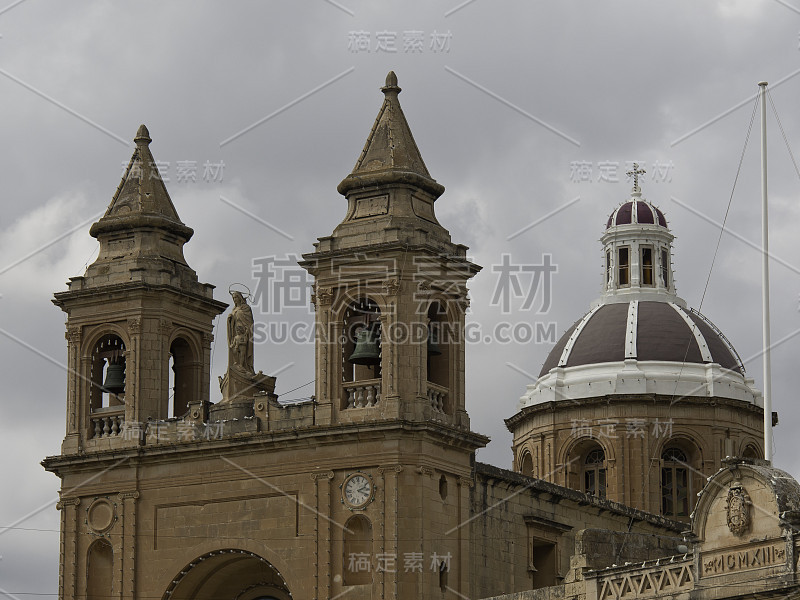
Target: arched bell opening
{"x":235,"y":574}
{"x":182,"y":377}
{"x":361,"y":354}
{"x":107,"y":380}
{"x":107,"y":375}
{"x":437,"y":358}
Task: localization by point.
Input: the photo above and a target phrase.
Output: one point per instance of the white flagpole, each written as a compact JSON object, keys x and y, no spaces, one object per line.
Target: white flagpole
{"x":765,"y":279}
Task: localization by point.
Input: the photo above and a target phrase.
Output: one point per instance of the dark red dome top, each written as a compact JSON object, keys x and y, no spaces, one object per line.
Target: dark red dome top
{"x":662,"y":334}
{"x":636,"y":211}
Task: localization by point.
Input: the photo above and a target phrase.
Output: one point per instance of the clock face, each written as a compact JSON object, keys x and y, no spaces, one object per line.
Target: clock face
{"x":357,"y":490}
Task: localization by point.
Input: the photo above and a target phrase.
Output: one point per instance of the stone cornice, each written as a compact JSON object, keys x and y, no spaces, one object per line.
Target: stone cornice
{"x":89,"y":295}
{"x":309,"y":436}
{"x":607,"y":400}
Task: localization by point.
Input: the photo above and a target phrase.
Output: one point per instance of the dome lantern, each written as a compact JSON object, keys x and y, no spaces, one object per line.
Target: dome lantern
{"x":637,"y":252}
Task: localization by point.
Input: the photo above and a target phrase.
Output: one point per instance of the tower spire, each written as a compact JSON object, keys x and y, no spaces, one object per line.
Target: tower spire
{"x":141,"y":235}
{"x":141,"y":192}
{"x":390,"y":154}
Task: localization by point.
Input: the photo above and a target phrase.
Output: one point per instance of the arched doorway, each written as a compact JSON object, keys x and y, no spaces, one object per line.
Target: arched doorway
{"x":231,"y":574}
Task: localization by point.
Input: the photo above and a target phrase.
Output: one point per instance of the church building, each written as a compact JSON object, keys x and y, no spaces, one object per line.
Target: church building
{"x":370,"y":489}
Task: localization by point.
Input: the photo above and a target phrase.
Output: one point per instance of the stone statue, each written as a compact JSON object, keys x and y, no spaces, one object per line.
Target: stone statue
{"x":241,"y":382}
{"x":240,"y":335}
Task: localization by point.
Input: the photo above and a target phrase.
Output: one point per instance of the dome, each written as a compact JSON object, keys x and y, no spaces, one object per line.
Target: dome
{"x":636,"y":212}
{"x":644,"y":331}
{"x":639,"y":336}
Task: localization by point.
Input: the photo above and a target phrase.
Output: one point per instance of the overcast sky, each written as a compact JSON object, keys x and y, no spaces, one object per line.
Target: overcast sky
{"x":505,"y":99}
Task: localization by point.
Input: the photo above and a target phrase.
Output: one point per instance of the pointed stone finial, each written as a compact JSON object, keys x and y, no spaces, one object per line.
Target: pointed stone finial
{"x":142,"y":136}
{"x":390,"y":155}
{"x":391,"y":84}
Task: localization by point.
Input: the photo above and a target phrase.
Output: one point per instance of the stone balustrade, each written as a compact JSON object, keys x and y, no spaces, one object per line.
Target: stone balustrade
{"x":107,"y":421}
{"x":437,"y":395}
{"x":361,"y":394}
{"x":666,"y":577}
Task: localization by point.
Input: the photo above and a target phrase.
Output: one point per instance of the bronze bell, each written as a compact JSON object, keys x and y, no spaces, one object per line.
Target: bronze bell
{"x":115,"y":379}
{"x":366,"y":350}
{"x":433,"y":347}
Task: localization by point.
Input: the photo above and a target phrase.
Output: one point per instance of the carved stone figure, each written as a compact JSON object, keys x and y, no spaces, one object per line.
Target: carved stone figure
{"x":240,"y":335}
{"x":241,"y":382}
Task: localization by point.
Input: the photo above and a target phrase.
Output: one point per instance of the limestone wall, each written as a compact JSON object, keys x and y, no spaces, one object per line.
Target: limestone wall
{"x":525,"y":531}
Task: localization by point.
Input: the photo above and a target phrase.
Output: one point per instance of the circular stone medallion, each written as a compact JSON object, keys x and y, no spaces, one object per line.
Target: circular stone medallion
{"x":100,"y":515}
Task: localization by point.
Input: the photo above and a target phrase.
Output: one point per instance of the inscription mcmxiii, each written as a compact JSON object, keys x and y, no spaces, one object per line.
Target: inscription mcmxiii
{"x":740,"y":560}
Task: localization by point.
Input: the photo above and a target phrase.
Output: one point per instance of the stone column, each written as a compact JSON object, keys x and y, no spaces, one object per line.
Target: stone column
{"x":127,"y":560}
{"x":461,"y":581}
{"x":322,"y":535}
{"x":68,"y":571}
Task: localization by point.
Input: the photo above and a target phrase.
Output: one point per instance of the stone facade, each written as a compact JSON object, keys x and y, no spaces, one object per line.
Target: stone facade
{"x":734,"y":550}
{"x":371,"y":489}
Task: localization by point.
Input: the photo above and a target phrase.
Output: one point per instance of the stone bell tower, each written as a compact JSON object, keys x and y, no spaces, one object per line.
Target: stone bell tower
{"x":390,"y":296}
{"x":391,"y":288}
{"x":138,"y":321}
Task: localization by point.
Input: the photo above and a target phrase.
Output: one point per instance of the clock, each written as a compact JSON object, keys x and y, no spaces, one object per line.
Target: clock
{"x":357,"y":490}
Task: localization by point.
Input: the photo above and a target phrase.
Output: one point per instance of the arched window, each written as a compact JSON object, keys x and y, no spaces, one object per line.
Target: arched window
{"x":361,"y":355}
{"x":437,"y":351}
{"x":647,"y":266}
{"x":674,"y":483}
{"x":357,"y":558}
{"x":665,"y":267}
{"x":100,"y":561}
{"x":526,"y":465}
{"x":750,"y":451}
{"x":182,"y":378}
{"x":623,"y":266}
{"x":594,"y":473}
{"x":437,"y":347}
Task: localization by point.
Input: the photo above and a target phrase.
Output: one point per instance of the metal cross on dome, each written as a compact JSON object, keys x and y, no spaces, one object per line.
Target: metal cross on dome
{"x":635,"y":174}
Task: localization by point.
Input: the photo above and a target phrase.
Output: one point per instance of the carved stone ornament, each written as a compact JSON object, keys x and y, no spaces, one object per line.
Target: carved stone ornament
{"x":390,"y":469}
{"x":738,"y":510}
{"x":73,"y":335}
{"x":324,"y":296}
{"x":67,"y":502}
{"x":165,"y":326}
{"x":391,"y":287}
{"x":135,"y":325}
